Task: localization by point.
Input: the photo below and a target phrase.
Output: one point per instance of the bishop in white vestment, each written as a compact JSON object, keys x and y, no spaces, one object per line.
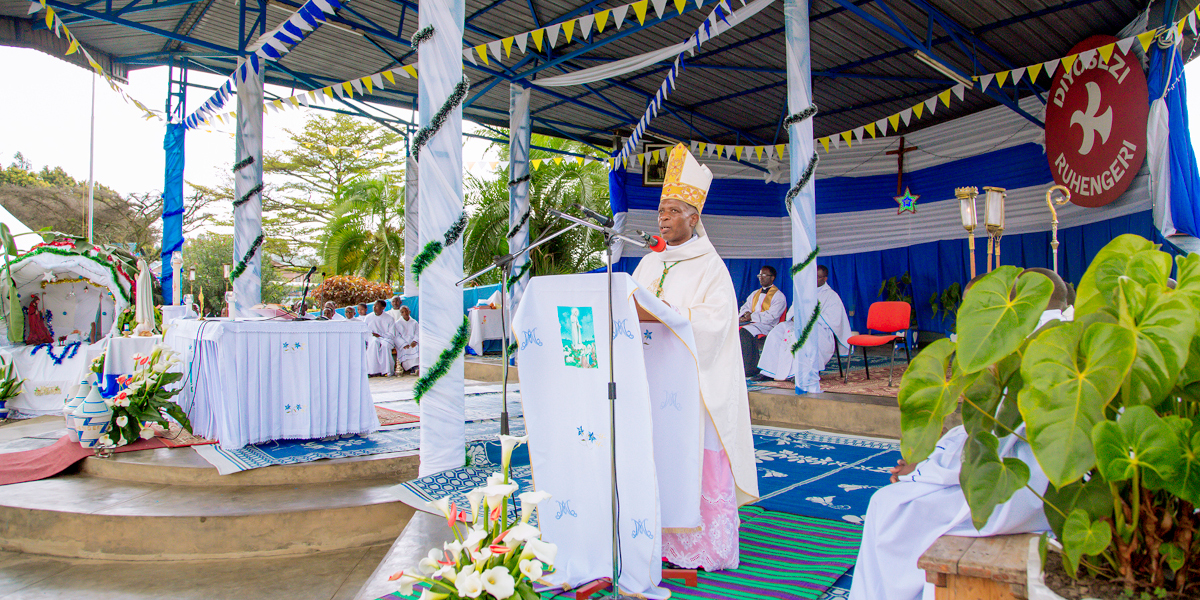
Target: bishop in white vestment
{"x":691,"y":278}
{"x":407,"y":333}
{"x":776,"y":361}
{"x":379,"y":346}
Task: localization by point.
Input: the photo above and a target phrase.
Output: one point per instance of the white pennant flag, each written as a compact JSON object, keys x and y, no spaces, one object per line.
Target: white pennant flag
{"x":960,"y":90}
{"x":906,"y":115}
{"x":618,"y":14}
{"x":300,"y":23}
{"x":303,"y":98}
{"x":837,"y":141}
{"x":881,"y":126}
{"x":377,"y":80}
{"x":858,"y":133}
{"x":1088,"y":57}
{"x":497,"y":49}
{"x":552,"y":35}
{"x":660,"y":7}
{"x":984,"y":80}
{"x":931,"y":104}
{"x":1017,"y":74}
{"x":469,"y":54}
{"x":1051,"y":66}
{"x":357,"y":85}
{"x":522,"y":40}
{"x":34,"y":7}
{"x":1192,"y":21}
{"x":585,"y":25}
{"x":1126,"y":43}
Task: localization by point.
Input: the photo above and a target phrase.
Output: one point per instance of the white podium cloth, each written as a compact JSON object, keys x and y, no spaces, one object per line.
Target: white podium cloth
{"x":560,"y":326}
{"x":252,"y":381}
{"x":485,"y":325}
{"x":47,"y":384}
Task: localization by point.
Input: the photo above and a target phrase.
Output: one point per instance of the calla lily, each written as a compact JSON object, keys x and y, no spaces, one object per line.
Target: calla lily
{"x":507,"y":444}
{"x":475,"y":497}
{"x":146,"y":433}
{"x":122,"y":421}
{"x":454,"y":548}
{"x":428,"y":595}
{"x":522,"y":532}
{"x":543,"y":551}
{"x":499,"y":549}
{"x":447,"y":573}
{"x":530,"y":500}
{"x":430,"y":564}
{"x":495,"y":479}
{"x":473,"y":539}
{"x":469,"y":584}
{"x":481,"y":556}
{"x":442,"y":506}
{"x":498,"y":582}
{"x":531,"y":569}
{"x":105,"y":440}
{"x":496,"y":493}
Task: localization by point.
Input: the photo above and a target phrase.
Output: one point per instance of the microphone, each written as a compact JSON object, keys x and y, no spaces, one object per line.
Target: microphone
{"x":653,"y":243}
{"x":310,"y":272}
{"x":599,"y":218}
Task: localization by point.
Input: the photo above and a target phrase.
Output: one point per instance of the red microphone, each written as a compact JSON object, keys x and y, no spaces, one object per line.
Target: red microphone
{"x":654,"y":243}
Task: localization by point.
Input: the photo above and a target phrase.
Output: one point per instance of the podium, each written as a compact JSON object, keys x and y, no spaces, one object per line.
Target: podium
{"x":560,"y":327}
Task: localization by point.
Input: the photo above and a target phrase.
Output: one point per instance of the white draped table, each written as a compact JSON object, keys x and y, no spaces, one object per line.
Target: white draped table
{"x":252,"y":381}
{"x":485,"y":325}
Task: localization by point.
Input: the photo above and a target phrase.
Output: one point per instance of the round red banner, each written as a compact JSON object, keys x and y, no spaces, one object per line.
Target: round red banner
{"x":1096,"y":123}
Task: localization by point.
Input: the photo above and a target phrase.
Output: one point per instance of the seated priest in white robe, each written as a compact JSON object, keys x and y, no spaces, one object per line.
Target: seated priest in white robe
{"x":397,"y":302}
{"x":832,"y":331}
{"x":758,"y":316}
{"x":351,"y":314}
{"x":379,"y":347}
{"x":691,"y":278}
{"x":329,"y":311}
{"x":407,"y":332}
{"x":926,"y":502}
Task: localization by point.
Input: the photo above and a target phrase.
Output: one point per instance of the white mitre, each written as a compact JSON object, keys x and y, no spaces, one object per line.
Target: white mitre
{"x":687,"y":181}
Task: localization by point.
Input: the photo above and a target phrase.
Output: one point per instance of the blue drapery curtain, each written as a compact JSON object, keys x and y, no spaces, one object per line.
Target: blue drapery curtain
{"x":172,"y":235}
{"x":1166,"y":70}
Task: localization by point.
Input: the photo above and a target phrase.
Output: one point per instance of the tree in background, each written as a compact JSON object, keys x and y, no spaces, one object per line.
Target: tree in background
{"x":557,"y":185}
{"x":209,"y":253}
{"x":366,"y":235}
{"x":344,"y":290}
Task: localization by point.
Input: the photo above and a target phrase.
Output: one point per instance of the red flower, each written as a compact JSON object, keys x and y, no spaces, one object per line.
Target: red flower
{"x":499,"y":549}
{"x":396,"y":576}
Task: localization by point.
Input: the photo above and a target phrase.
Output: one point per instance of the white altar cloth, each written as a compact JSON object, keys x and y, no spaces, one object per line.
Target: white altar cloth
{"x":252,"y":381}
{"x":485,"y":325}
{"x":118,"y":360}
{"x":46,"y":383}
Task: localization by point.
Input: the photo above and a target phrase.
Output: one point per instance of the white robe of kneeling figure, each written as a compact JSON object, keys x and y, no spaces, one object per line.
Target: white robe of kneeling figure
{"x":905,"y":518}
{"x":380,"y":344}
{"x":407,"y":332}
{"x":776,"y":361}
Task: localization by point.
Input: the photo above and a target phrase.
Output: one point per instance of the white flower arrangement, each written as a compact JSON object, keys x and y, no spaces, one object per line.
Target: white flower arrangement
{"x":494,"y":559}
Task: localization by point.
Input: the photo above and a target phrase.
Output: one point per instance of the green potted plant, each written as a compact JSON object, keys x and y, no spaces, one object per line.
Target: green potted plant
{"x":10,"y":387}
{"x":1110,"y":404}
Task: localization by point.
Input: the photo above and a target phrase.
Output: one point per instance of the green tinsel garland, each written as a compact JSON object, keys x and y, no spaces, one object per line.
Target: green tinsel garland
{"x":519,"y":225}
{"x":246,"y":198}
{"x":512,"y":348}
{"x":447,"y":357}
{"x":520,"y":180}
{"x":434,"y":248}
{"x":421,"y":36}
{"x":796,"y":268}
{"x":426,"y":133}
{"x":800,"y":116}
{"x":812,"y":322}
{"x":241,"y":266}
{"x":245,"y":162}
{"x":519,"y":274}
{"x":804,"y":179}
{"x":104,"y":263}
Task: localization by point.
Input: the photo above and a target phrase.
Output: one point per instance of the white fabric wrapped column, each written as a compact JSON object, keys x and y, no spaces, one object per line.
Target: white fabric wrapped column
{"x":412,"y":243}
{"x":804,"y":205}
{"x":440,"y":185}
{"x":519,"y":132}
{"x":247,"y":217}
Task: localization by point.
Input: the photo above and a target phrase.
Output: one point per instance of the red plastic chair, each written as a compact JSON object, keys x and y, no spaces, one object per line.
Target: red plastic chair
{"x":890,"y":319}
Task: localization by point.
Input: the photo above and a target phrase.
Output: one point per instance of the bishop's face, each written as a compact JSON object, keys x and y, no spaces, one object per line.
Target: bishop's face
{"x":676,"y":221}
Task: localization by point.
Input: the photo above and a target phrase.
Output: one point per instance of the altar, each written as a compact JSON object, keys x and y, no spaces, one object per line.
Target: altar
{"x":485,"y":325}
{"x":248,"y":381}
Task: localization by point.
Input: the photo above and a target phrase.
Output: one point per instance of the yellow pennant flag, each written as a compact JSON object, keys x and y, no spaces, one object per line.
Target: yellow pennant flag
{"x":720,"y":149}
{"x":738,"y":150}
{"x":1034,"y":71}
{"x":49,"y":18}
{"x":679,"y":5}
{"x":294,"y":101}
{"x":481,"y":50}
{"x":370,"y":88}
{"x":1106,"y":52}
{"x":1001,"y":77}
{"x":558,"y":160}
{"x":701,"y":147}
{"x":639,"y":9}
{"x":779,"y":150}
{"x":278,"y":104}
{"x":945,"y":97}
{"x":568,"y":28}
{"x":758,"y":150}
{"x":74,"y":46}
{"x":328,"y":92}
{"x":895,"y":121}
{"x":918,"y":109}
{"x":410,"y":70}
{"x":870,"y":127}
{"x":846,"y":135}
{"x":332,"y":150}
{"x":536,"y":163}
{"x":825,"y":142}
{"x":601,"y":19}
{"x":1067,"y":61}
{"x":508,"y":42}
{"x":388,"y":76}
{"x":349,"y":88}
{"x":537,"y":38}
{"x":579,"y":160}
{"x":1145,"y":39}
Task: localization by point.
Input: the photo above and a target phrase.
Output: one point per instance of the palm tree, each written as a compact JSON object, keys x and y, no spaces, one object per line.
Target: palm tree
{"x":558,"y":184}
{"x":365,"y":237}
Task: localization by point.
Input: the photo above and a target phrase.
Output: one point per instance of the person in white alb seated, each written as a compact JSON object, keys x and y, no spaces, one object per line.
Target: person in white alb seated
{"x":758,"y":316}
{"x":407,"y":333}
{"x":397,"y":302}
{"x":329,"y":311}
{"x":382,"y":328}
{"x":832,"y":330}
{"x":351,"y":314}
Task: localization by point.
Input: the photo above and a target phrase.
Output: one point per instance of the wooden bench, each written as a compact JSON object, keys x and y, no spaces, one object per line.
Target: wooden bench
{"x":991,"y":568}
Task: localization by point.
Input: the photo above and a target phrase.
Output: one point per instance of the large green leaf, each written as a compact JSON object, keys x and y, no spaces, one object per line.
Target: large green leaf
{"x":1188,"y":272}
{"x":1188,"y":384}
{"x":1083,"y":537}
{"x":927,"y":396}
{"x":986,"y":480}
{"x":1165,"y":323}
{"x":1138,"y":440}
{"x":1126,"y":256}
{"x":1093,"y":496}
{"x":1071,"y":373}
{"x":997,"y":314}
{"x":16,"y":316}
{"x":992,"y":397}
{"x":1184,"y":481}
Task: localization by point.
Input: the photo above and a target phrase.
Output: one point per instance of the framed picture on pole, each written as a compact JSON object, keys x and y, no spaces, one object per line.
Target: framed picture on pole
{"x":654,"y":172}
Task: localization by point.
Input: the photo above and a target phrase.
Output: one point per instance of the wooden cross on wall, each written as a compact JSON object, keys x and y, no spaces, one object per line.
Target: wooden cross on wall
{"x":906,"y":199}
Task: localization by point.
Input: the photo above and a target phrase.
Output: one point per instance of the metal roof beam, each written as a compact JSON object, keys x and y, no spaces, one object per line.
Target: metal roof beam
{"x":70,"y":8}
{"x":534,"y":13}
{"x":131,"y":9}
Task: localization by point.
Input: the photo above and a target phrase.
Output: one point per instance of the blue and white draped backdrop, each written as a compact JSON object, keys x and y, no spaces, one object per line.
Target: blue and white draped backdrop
{"x":520,"y":133}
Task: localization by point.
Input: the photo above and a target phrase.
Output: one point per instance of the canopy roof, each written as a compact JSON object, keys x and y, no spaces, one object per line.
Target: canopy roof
{"x":733,"y":91}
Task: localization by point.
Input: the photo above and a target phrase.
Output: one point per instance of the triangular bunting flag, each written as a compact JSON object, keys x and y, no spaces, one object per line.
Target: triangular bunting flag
{"x":496,"y":47}
{"x":1088,"y":56}
{"x":945,"y":97}
{"x":906,"y":114}
{"x":508,"y":42}
{"x":1051,"y":67}
{"x":341,"y":90}
{"x":931,"y":104}
{"x":1126,"y":43}
{"x":295,"y":101}
{"x":679,"y":6}
{"x":770,"y":151}
{"x":858,"y":133}
{"x":1145,"y":39}
{"x":870,"y":129}
{"x":552,"y":35}
{"x":537,"y":38}
{"x":410,"y":70}
{"x":984,"y":80}
{"x":357,"y":85}
{"x":370,"y":84}
{"x":702,"y":146}
{"x":1034,"y":71}
{"x":1017,"y":74}
{"x":639,"y":9}
{"x":918,"y":109}
{"x":468,"y":165}
{"x":522,"y":40}
{"x":719,"y":150}
{"x":738,"y":151}
{"x":601,"y":19}
{"x":568,"y":28}
{"x":377,"y":80}
{"x":303,"y":98}
{"x":481,"y":50}
{"x":537,"y":163}
{"x":758,"y":150}
{"x":660,"y":8}
{"x":1067,"y":61}
{"x":846,"y":135}
{"x":278,"y":104}
{"x":1001,"y":77}
{"x":960,"y":90}
{"x":825,"y":142}
{"x":882,"y":125}
{"x":1106,"y":51}
{"x":558,"y":160}
{"x":585,"y":25}
{"x":579,"y":160}
{"x":779,"y":150}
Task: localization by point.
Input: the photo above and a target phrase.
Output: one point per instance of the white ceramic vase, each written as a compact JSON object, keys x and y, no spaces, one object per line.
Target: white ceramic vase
{"x":81,"y":392}
{"x":92,"y":418}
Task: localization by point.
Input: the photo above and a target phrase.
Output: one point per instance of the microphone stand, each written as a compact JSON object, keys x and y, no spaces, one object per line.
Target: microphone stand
{"x":304,"y":298}
{"x":504,"y":263}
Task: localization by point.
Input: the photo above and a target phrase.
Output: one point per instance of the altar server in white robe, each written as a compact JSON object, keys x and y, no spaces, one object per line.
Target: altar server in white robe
{"x":379,"y":347}
{"x":759,"y":315}
{"x":776,"y":361}
{"x":692,"y":279}
{"x":407,"y":333}
{"x":397,"y":302}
